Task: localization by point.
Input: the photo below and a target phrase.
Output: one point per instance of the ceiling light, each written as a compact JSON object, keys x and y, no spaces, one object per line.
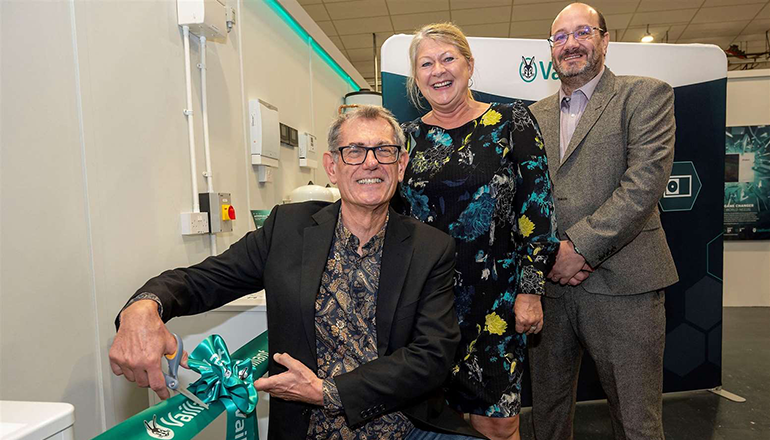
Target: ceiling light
{"x":647,"y":38}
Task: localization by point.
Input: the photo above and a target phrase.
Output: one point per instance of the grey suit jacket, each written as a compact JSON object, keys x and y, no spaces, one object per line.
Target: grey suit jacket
{"x":607,"y":187}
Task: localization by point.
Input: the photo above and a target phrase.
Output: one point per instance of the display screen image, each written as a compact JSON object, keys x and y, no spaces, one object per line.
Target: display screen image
{"x":747,"y":183}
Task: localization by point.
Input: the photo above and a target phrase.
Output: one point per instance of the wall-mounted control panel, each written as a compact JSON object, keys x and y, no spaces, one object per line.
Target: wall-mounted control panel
{"x":308,"y":150}
{"x":221,"y":212}
{"x":206,"y":18}
{"x":264,"y":133}
{"x":289,"y":136}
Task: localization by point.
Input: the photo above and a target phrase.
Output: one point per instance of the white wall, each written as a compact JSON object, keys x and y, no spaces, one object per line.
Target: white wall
{"x":747,"y":263}
{"x":48,"y":323}
{"x":95,"y":172}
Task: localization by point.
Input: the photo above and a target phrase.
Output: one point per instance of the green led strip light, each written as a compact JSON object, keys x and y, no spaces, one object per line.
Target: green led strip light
{"x":278,"y":8}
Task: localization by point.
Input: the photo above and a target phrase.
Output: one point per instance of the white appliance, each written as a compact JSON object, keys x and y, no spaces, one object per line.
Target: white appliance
{"x":309,"y":192}
{"x":36,"y":420}
{"x":307,"y":151}
{"x":264,"y":132}
{"x":363,"y":97}
{"x":206,"y":18}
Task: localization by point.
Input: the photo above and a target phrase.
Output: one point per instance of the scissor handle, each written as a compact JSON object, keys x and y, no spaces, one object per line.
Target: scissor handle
{"x":174,"y":359}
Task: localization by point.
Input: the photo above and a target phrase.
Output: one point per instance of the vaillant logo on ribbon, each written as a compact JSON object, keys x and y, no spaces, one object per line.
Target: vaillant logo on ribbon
{"x":155,"y":431}
{"x":163,"y":430}
{"x":528,"y":70}
{"x":259,"y":358}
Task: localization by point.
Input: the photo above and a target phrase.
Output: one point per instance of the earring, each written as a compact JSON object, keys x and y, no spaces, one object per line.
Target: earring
{"x":471,"y":83}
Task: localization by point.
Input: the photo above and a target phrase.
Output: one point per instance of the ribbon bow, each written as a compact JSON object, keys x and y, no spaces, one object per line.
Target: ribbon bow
{"x":225,"y":384}
{"x":222,"y":378}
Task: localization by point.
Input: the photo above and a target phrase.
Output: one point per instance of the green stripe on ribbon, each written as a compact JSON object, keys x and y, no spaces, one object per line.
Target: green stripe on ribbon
{"x":226,"y":384}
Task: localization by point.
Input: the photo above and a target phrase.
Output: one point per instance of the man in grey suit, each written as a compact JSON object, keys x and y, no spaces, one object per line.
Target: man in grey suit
{"x":610,"y":146}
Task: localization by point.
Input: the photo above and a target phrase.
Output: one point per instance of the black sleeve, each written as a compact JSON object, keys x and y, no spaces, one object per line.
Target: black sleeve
{"x":535,"y":229}
{"x":217,"y":280}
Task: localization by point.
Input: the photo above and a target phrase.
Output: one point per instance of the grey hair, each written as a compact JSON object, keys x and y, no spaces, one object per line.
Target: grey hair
{"x":367,"y":112}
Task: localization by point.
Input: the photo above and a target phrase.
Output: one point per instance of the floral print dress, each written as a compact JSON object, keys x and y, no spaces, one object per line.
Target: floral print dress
{"x":486,"y":184}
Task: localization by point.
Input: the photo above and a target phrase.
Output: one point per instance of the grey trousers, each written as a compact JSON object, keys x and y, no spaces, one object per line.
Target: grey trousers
{"x":625,"y":336}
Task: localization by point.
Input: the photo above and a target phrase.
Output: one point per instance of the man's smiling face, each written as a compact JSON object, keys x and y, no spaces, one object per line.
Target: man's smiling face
{"x":371,"y":184}
{"x":579,"y":58}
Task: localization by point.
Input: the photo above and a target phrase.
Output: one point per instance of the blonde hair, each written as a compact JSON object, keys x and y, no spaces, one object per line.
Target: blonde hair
{"x":447,"y":33}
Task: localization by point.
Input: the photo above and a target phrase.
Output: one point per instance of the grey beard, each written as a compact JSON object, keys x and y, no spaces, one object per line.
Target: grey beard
{"x":588,"y":68}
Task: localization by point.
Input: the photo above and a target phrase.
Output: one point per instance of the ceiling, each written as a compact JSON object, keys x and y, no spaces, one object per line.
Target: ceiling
{"x":350,"y":24}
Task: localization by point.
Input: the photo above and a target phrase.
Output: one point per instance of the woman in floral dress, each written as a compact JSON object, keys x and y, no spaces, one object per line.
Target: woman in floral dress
{"x":478,"y":171}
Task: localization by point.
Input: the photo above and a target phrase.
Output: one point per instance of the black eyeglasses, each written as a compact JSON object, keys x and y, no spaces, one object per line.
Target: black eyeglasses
{"x":356,"y":155}
{"x":582,"y":33}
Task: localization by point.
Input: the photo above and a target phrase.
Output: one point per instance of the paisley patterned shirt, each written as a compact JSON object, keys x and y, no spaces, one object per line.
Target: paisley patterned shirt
{"x":346,"y":334}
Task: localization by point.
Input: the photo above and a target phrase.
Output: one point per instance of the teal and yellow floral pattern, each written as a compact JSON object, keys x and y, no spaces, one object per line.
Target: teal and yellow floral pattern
{"x":486,"y":183}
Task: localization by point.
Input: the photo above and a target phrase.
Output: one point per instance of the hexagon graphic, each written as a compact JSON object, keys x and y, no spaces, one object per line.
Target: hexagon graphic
{"x":703,"y":303}
{"x":715,"y":257}
{"x":715,"y":345}
{"x":682,"y":188}
{"x":685,"y":350}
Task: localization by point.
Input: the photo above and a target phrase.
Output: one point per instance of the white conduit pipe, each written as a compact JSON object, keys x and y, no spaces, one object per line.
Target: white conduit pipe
{"x":206,"y":148}
{"x":189,"y":113}
{"x":205,"y":112}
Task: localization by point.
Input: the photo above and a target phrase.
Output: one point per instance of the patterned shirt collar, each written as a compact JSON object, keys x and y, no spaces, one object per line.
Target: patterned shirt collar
{"x":350,"y":241}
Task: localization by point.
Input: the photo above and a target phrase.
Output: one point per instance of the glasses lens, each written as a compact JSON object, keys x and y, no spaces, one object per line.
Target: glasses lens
{"x":353,"y":155}
{"x":559,"y":38}
{"x":387,"y":154}
{"x":583,"y":33}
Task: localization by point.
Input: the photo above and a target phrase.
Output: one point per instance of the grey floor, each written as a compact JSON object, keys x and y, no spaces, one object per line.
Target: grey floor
{"x":701,"y":415}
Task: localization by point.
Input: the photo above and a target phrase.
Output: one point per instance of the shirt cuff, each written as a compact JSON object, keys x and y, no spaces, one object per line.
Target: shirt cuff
{"x":532,"y":279}
{"x":332,"y":402}
{"x":145,"y":295}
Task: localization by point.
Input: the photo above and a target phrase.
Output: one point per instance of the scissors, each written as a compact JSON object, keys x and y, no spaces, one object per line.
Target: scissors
{"x":172,"y":378}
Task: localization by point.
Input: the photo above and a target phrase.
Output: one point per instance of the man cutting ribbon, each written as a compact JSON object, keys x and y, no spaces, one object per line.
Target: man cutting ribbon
{"x":359,"y":302}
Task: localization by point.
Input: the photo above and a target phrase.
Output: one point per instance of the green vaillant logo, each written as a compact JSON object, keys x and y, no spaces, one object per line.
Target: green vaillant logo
{"x":528,"y":70}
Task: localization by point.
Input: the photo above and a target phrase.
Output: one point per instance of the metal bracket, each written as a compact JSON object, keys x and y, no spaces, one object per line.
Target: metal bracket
{"x":727,"y":395}
{"x":187,"y":112}
{"x":201,"y":66}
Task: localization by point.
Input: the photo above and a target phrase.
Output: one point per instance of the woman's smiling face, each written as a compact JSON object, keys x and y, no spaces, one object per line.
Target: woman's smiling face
{"x":442,"y":73}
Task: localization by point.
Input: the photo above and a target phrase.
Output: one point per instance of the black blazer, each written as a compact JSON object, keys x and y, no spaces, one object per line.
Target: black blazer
{"x":417,"y":330}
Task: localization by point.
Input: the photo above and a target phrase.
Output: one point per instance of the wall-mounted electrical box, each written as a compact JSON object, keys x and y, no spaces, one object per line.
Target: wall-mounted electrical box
{"x":289,"y":136}
{"x":194,"y":223}
{"x":264,"y":133}
{"x":307,"y":151}
{"x":265,"y":174}
{"x":220,"y":211}
{"x":205,"y":18}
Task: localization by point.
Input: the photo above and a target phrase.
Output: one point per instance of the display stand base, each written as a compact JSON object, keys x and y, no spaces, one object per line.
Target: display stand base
{"x":727,"y":395}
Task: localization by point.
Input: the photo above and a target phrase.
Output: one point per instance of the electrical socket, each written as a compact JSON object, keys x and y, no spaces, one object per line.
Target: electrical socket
{"x":194,"y":223}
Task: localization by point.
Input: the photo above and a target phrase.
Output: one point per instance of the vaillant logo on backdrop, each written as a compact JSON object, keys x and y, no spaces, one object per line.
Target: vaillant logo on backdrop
{"x":528,"y":70}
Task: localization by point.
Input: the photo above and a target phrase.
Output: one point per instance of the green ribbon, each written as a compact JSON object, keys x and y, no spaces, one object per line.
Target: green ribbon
{"x":226,"y":384}
{"x":227,"y":380}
